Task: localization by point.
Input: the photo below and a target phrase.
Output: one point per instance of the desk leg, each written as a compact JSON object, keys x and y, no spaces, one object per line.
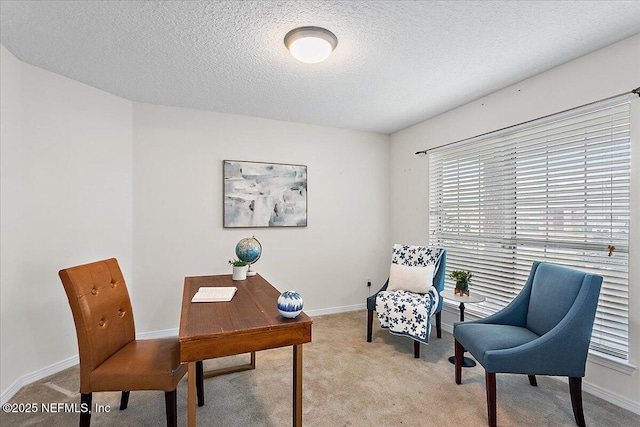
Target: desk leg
{"x":297,"y":385}
{"x":191,"y":394}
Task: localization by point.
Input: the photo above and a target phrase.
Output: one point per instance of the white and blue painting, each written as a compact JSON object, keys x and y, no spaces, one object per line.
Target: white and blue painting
{"x":264,"y":194}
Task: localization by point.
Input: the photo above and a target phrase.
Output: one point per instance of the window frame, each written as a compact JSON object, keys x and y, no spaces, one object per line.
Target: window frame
{"x":501,"y":151}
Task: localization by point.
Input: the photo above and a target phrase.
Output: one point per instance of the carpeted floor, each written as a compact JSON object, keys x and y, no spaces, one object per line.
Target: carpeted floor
{"x":347,"y":382}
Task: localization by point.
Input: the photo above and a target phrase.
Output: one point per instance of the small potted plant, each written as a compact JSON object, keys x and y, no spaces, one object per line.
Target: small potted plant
{"x":239,"y":269}
{"x":463,"y":281}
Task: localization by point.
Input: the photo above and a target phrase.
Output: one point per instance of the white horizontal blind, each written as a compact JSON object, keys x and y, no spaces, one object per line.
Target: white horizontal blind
{"x":554,"y":189}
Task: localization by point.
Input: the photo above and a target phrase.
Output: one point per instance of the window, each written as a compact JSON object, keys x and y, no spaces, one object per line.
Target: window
{"x":554,"y":189}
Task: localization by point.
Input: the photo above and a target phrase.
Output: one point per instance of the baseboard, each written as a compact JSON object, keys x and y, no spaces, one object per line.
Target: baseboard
{"x":36,"y":376}
{"x":165,"y":333}
{"x":335,"y":310}
{"x":606,"y":395}
{"x":67,"y":363}
{"x":320,"y":312}
{"x":7,"y":394}
{"x":613,"y":398}
{"x":587,"y":387}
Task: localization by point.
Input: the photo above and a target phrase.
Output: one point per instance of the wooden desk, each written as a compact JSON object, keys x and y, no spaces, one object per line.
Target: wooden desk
{"x":249,"y":322}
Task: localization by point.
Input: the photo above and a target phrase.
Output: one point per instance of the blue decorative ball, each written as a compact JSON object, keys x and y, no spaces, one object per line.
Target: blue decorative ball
{"x":290,"y":304}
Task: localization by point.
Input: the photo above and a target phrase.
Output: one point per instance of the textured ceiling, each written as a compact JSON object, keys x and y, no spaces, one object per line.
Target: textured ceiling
{"x":397,"y":62}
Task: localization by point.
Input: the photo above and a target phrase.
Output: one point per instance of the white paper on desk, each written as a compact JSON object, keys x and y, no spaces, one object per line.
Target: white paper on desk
{"x":214,"y":294}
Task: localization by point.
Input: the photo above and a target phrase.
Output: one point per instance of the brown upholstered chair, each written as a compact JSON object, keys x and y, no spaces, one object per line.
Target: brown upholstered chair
{"x":111,"y":359}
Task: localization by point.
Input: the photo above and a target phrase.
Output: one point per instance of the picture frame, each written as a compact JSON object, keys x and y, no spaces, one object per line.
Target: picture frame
{"x":260,"y":194}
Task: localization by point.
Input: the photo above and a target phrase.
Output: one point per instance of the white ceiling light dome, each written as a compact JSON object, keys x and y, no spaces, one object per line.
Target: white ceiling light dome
{"x":310,"y":44}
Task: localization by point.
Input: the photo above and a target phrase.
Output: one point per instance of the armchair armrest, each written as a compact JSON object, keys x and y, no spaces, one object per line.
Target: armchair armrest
{"x":561,"y":351}
{"x":438,"y":279}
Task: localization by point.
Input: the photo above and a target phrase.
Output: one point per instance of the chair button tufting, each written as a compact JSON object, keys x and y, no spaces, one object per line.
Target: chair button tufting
{"x":120,"y":313}
{"x":101,"y":323}
{"x":113,"y":284}
{"x":94,"y":291}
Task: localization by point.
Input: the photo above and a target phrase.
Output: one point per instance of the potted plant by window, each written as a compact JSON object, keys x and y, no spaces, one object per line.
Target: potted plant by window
{"x":463,"y":281}
{"x":239,"y":269}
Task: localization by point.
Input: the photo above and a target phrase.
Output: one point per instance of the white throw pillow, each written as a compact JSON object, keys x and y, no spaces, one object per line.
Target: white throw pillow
{"x":412,"y":279}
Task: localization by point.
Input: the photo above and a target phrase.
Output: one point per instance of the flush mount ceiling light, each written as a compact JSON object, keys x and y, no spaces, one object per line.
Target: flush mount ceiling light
{"x":310,"y":44}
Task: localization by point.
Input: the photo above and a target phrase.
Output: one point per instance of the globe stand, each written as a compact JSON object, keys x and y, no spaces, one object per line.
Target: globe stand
{"x":251,"y":273}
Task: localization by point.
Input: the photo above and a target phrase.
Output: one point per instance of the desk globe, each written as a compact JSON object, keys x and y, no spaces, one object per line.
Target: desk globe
{"x":249,"y":251}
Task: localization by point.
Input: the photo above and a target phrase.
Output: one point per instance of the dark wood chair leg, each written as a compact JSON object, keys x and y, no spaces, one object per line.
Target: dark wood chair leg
{"x":532,"y":380}
{"x":369,"y":324}
{"x":416,"y":349}
{"x":490,"y":384}
{"x":575,"y":389}
{"x":85,"y":409}
{"x":459,"y":352}
{"x":200,"y":382}
{"x":439,"y":324}
{"x":171,"y":405}
{"x":124,"y":400}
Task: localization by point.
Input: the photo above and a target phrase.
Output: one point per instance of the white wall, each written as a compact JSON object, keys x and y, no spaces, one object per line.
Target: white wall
{"x":607,"y":72}
{"x":66,"y":199}
{"x":10,"y":212}
{"x":87,"y":175}
{"x":178,"y":231}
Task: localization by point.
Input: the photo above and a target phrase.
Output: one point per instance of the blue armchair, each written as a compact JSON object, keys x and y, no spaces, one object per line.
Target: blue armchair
{"x":545,"y":330}
{"x":438,"y":283}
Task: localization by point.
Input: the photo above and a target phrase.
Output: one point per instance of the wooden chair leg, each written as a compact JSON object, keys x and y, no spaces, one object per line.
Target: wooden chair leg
{"x":575,"y":389}
{"x":171,"y":405}
{"x":416,"y":349}
{"x":200,"y":382}
{"x":124,"y":400}
{"x":459,"y":352}
{"x":85,"y":409}
{"x":490,"y":384}
{"x":369,"y":324}
{"x":439,"y":324}
{"x":532,"y":380}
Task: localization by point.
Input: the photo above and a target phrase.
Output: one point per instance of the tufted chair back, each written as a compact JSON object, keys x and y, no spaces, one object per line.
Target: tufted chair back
{"x":102,"y":313}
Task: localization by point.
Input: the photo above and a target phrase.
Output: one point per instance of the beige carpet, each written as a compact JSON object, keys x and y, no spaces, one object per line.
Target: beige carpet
{"x":347,"y":382}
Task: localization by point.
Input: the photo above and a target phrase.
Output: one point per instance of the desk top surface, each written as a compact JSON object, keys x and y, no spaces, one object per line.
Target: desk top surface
{"x":250,"y":319}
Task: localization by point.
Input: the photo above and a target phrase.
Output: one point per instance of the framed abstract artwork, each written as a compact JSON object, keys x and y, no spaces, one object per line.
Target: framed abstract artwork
{"x":258,"y":194}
